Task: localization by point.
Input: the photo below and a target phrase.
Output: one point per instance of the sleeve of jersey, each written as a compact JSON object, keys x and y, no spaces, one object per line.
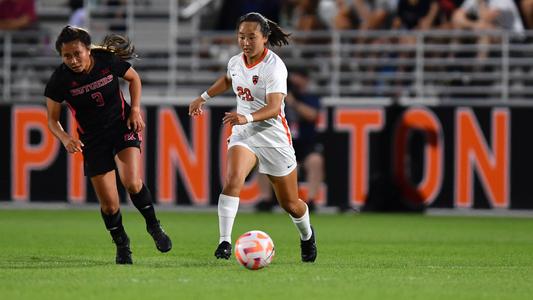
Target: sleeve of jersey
{"x":228,"y":73}
{"x":277,"y":79}
{"x":118,"y":66}
{"x":53,"y":90}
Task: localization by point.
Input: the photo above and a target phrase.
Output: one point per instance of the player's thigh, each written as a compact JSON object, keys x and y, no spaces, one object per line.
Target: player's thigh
{"x":285,"y":187}
{"x":128,"y":162}
{"x":240,"y":162}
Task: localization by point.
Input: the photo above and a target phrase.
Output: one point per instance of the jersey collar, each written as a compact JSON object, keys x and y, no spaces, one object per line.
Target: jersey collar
{"x":265,"y":51}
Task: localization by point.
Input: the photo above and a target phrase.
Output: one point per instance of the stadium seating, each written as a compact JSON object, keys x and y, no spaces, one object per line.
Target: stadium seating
{"x":177,"y":57}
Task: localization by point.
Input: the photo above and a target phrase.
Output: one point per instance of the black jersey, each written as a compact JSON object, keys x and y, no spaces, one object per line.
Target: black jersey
{"x":95,"y":99}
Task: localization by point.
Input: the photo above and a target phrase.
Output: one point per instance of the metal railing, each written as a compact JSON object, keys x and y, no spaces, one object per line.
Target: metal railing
{"x":427,"y":67}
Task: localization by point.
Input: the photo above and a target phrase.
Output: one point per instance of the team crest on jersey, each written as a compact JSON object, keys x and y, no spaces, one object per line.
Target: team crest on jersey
{"x":255,"y":79}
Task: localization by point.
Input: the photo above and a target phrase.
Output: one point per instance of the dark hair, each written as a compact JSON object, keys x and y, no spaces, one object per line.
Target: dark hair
{"x":119,"y":45}
{"x":75,"y":4}
{"x":114,"y":43}
{"x":71,"y":33}
{"x":276,"y":36}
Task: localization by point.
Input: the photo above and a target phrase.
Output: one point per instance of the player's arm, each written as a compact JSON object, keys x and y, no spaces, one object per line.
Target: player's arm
{"x":308,"y":112}
{"x":135,"y":120}
{"x":16,"y":23}
{"x":269,"y":111}
{"x":54,"y":110}
{"x":222,"y":84}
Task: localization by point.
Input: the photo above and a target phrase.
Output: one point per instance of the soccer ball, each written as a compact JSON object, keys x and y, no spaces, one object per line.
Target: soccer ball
{"x":254,"y":250}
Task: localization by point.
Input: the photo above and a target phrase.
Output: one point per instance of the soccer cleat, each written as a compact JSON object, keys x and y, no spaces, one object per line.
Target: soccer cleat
{"x":161,"y":239}
{"x":123,"y":250}
{"x":308,"y":248}
{"x":223,"y":250}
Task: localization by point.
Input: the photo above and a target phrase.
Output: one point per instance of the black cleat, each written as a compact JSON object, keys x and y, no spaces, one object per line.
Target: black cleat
{"x":123,"y":250}
{"x":223,"y":250}
{"x":308,"y":248}
{"x":161,"y":239}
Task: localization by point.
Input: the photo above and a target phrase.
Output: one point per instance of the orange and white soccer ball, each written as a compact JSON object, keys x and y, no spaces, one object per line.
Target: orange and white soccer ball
{"x":254,"y":250}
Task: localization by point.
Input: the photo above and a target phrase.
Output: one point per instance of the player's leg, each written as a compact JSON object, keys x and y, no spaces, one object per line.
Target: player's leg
{"x":286,"y":189}
{"x":106,"y":190}
{"x":314,"y":171}
{"x":128,"y":165}
{"x":240,"y":162}
{"x":266,"y":203}
{"x":280,"y":165}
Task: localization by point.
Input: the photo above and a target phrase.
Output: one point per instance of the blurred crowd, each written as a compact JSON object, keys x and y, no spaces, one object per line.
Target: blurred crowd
{"x":304,"y":15}
{"x":371,"y":72}
{"x":307,"y":15}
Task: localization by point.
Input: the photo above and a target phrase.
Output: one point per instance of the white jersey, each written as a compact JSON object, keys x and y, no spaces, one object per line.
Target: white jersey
{"x":251,"y":84}
{"x":508,"y":17}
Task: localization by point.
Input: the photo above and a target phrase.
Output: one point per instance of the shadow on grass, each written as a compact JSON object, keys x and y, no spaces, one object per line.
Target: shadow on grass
{"x":58,"y":262}
{"x":49,"y":262}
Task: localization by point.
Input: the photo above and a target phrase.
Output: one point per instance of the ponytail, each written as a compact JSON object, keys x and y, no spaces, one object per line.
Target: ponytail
{"x":276,"y":35}
{"x":114,"y":43}
{"x":119,"y":45}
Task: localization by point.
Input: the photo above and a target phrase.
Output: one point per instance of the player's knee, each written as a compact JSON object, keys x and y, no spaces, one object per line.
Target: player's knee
{"x":133,"y":186}
{"x":290,"y":207}
{"x":109,"y":208}
{"x":234,"y":182}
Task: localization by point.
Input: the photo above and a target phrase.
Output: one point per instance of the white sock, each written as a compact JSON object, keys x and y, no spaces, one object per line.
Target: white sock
{"x":303,"y":225}
{"x":227,"y":210}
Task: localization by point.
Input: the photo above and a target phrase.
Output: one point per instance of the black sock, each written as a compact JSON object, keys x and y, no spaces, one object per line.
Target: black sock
{"x":143,"y":202}
{"x":113,"y":223}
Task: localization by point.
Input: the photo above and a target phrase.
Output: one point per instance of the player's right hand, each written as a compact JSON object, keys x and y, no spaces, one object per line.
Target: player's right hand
{"x":74,"y":145}
{"x":195,"y":108}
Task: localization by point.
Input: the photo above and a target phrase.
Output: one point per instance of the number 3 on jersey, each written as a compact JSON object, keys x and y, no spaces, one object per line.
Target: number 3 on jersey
{"x":98,"y":98}
{"x":244,"y":94}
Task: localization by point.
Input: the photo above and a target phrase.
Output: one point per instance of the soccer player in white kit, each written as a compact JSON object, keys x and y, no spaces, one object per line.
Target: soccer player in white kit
{"x":260,"y":134}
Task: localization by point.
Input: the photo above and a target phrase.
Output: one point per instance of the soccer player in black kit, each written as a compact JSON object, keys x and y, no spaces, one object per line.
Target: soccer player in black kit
{"x":109,"y":128}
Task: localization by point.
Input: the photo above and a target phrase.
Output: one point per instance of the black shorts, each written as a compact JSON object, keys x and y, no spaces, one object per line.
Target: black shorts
{"x":99,"y":151}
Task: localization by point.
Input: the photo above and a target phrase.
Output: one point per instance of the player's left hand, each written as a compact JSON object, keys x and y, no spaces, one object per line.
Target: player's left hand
{"x":234,"y":118}
{"x":135,"y":121}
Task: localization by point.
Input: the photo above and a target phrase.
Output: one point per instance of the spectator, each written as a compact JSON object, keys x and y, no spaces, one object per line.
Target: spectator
{"x":416,"y":14}
{"x":526,"y":6}
{"x":446,"y":10}
{"x":117,"y":15}
{"x":306,"y":19}
{"x":364,"y":14}
{"x":488,"y":15}
{"x":306,"y":16}
{"x":17,"y":14}
{"x":303,"y":109}
{"x":77,"y":16}
{"x":412,"y":15}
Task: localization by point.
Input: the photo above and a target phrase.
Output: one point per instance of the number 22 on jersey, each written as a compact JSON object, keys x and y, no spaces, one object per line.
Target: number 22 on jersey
{"x":244,"y":94}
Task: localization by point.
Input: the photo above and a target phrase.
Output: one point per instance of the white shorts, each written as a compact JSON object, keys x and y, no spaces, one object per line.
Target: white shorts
{"x":275,"y":161}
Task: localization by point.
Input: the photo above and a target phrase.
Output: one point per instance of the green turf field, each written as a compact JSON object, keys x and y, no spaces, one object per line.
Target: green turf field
{"x":67,"y":254}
